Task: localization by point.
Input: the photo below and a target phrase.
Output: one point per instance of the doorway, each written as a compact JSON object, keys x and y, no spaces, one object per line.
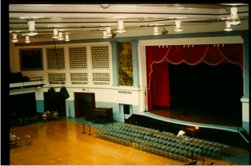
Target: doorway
{"x":84,"y":104}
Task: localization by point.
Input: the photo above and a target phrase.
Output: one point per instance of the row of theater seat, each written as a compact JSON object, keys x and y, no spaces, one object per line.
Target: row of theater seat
{"x":162,"y":143}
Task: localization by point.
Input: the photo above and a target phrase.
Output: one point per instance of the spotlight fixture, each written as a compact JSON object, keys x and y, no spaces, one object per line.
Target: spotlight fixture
{"x":156,"y":30}
{"x":60,"y":36}
{"x":164,"y":31}
{"x":32,"y":30}
{"x":14,"y":38}
{"x":55,"y":33}
{"x":178,"y":27}
{"x":27,"y":39}
{"x":234,"y":18}
{"x":67,"y":37}
{"x":121,"y":28}
{"x":228,"y":26}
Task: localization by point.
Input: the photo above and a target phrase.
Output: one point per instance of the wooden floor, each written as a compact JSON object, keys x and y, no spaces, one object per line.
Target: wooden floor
{"x":63,"y":142}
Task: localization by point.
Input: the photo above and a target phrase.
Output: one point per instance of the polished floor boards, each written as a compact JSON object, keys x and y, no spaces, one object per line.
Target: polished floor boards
{"x":63,"y":142}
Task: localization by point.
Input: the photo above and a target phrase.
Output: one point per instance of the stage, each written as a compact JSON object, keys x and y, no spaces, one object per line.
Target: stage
{"x":163,"y":116}
{"x":229,"y":134}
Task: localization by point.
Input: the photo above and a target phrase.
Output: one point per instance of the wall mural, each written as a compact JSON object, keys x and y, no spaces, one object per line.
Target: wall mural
{"x":125,"y":64}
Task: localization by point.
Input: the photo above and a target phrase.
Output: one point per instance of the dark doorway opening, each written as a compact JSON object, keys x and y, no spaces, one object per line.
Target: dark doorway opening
{"x":84,"y":104}
{"x":23,"y":104}
{"x":54,"y":102}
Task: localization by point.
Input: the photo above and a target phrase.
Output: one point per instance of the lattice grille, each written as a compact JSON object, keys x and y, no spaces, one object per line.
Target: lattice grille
{"x":56,"y":78}
{"x":78,"y":58}
{"x":79,"y":77}
{"x":55,"y":60}
{"x":100,"y":77}
{"x":100,"y":57}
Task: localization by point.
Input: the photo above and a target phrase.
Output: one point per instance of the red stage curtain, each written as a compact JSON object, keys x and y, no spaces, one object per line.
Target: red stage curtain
{"x":160,"y":85}
{"x":157,"y":96}
{"x":158,"y":91}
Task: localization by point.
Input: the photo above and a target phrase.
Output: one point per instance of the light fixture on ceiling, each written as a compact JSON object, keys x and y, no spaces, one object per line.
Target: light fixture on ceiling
{"x":27,"y":39}
{"x":105,"y":6}
{"x":107,"y":33}
{"x":156,"y":30}
{"x":228,"y":26}
{"x":120,"y":28}
{"x":178,"y":27}
{"x":60,"y":36}
{"x":14,"y":38}
{"x":55,"y":33}
{"x":234,"y":18}
{"x":31,"y":26}
{"x":67,"y":37}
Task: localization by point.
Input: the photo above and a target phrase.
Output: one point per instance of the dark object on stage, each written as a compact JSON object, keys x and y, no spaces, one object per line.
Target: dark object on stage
{"x":51,"y":93}
{"x":64,"y":93}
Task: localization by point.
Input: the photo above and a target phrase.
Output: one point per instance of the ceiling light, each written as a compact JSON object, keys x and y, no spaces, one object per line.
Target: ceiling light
{"x":107,"y":33}
{"x":67,"y":37}
{"x":121,"y":28}
{"x":27,"y":39}
{"x":104,"y":34}
{"x":155,"y":30}
{"x":60,"y":36}
{"x":234,"y":18}
{"x":14,"y":38}
{"x":104,"y":6}
{"x":178,"y":27}
{"x":228,"y":26}
{"x":55,"y":33}
{"x":32,"y":30}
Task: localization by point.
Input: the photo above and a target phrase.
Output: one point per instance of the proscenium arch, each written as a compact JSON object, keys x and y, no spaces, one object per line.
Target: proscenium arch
{"x":236,"y":39}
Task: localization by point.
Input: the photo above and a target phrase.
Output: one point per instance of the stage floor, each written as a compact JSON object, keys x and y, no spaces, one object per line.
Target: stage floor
{"x":199,"y":116}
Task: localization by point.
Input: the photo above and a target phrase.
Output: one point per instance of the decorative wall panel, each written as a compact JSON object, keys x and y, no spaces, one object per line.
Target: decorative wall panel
{"x":79,"y":77}
{"x":56,"y":78}
{"x":100,"y":57}
{"x":101,"y":78}
{"x":78,"y":58}
{"x":125,"y":64}
{"x":55,"y":59}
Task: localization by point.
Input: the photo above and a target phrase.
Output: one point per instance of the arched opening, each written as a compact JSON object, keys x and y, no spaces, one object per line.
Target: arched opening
{"x":202,"y":83}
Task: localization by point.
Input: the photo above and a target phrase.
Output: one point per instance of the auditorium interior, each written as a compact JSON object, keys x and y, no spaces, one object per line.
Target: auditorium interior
{"x":115,"y":84}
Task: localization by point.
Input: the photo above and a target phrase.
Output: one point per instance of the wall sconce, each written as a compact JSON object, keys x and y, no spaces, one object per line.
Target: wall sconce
{"x":27,"y":39}
{"x":178,"y":27}
{"x":14,"y":38}
{"x":228,"y":26}
{"x":234,"y":18}
{"x":120,"y":28}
